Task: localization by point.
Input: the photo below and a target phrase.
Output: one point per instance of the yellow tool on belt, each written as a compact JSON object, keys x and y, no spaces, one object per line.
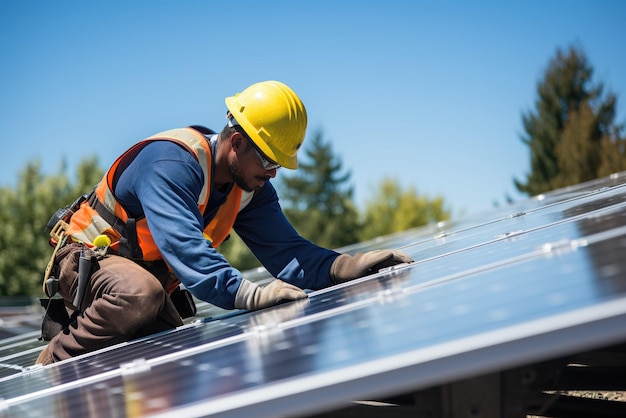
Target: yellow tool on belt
{"x":101,"y":241}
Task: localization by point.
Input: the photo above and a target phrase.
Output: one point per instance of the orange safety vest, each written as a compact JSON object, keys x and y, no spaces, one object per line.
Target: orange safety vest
{"x":102,"y":214}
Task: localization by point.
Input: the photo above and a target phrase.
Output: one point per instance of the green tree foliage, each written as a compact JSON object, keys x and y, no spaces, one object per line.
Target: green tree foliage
{"x":585,"y":152}
{"x":571,"y":134}
{"x":394,"y":209}
{"x":237,"y":253}
{"x":24,"y":212}
{"x":317,"y":198}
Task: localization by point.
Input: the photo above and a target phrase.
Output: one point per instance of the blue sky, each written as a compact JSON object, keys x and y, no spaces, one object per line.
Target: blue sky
{"x":428,"y":93}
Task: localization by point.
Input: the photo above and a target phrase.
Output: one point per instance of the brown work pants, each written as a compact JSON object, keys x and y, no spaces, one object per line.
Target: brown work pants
{"x":123,"y":301}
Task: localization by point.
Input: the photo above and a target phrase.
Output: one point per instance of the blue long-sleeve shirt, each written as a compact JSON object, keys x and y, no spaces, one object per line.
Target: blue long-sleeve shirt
{"x":163,"y":183}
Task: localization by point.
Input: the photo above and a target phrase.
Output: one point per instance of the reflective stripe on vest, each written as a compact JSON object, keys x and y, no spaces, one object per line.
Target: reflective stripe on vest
{"x":103,"y":214}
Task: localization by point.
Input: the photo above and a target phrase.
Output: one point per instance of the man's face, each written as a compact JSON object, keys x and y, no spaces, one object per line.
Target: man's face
{"x":247,"y":170}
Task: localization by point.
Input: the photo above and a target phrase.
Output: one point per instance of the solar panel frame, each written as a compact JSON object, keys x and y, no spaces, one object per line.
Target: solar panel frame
{"x":575,"y":235}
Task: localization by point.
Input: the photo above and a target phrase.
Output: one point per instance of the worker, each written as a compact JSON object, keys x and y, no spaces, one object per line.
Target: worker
{"x":151,"y":228}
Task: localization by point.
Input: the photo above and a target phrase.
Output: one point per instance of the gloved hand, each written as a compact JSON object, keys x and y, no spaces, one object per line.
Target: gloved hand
{"x":349,"y":267}
{"x":251,"y":296}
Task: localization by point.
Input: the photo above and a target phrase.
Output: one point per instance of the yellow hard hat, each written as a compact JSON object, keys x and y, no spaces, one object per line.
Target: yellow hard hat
{"x":274,"y":117}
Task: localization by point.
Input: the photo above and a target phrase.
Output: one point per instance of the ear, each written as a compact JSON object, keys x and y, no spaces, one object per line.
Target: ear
{"x":236,"y":141}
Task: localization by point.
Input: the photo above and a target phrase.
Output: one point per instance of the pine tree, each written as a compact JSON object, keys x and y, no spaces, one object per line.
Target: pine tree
{"x":317,"y":198}
{"x":571,"y":134}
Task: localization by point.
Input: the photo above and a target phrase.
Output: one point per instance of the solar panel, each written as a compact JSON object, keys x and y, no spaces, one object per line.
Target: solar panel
{"x":542,"y":278}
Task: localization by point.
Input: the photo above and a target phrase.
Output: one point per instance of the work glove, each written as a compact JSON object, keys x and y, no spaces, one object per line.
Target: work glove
{"x":251,"y":296}
{"x":349,"y":267}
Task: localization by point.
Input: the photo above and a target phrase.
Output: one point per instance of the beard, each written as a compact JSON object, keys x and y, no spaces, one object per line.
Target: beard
{"x":237,"y":177}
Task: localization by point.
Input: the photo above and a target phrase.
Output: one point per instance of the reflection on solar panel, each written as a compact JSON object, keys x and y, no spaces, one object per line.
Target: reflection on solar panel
{"x":543,"y":278}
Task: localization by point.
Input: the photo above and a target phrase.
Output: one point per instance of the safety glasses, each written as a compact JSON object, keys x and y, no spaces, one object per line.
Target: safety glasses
{"x":265,"y":162}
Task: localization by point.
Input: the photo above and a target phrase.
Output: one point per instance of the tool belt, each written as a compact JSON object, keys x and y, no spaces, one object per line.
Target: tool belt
{"x":56,"y":316}
{"x":57,"y":225}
